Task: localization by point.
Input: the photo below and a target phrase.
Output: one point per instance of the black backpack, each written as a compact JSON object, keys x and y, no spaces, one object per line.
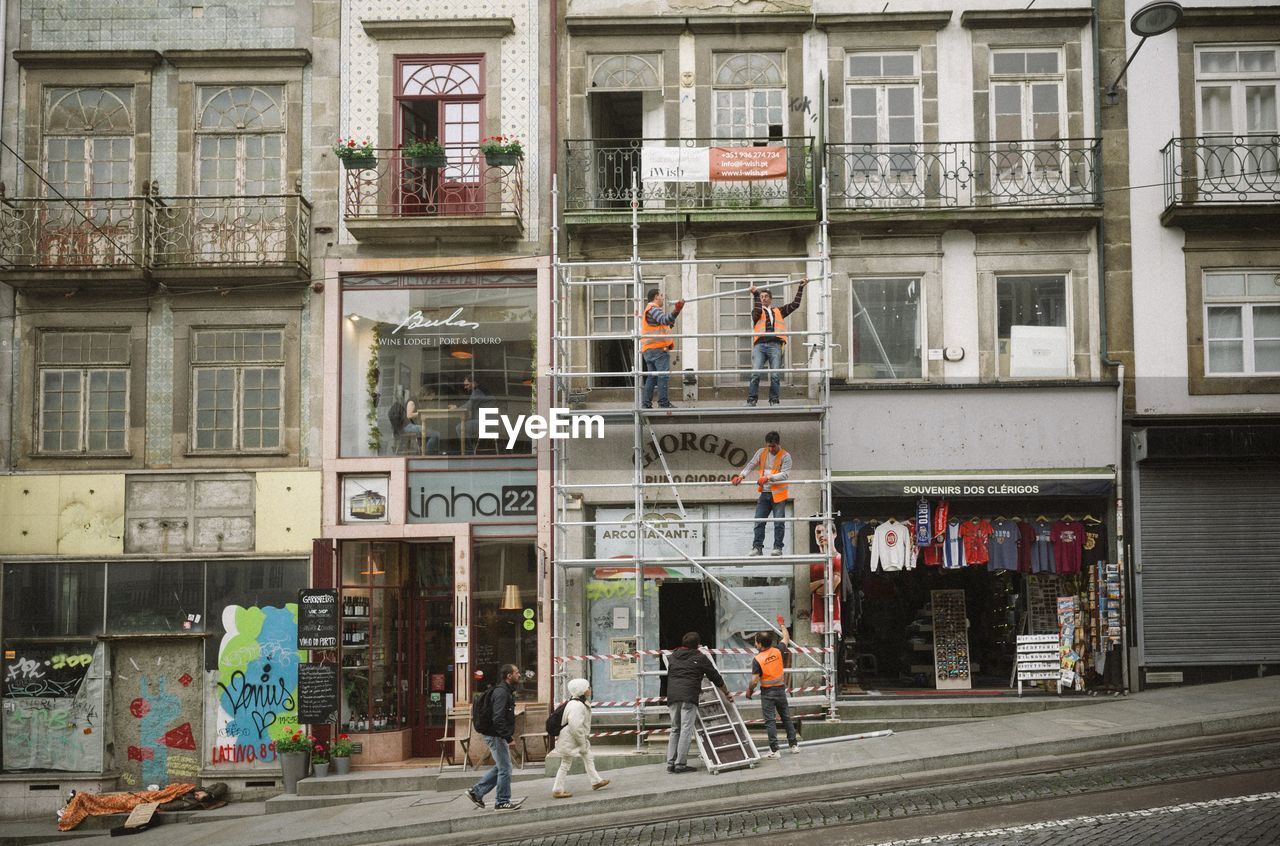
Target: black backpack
{"x":555,"y":722}
{"x":396,"y":416}
{"x":482,"y":712}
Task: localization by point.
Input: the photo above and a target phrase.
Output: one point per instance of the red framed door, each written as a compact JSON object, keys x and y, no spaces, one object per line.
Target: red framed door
{"x":441,"y":98}
{"x":427,"y":643}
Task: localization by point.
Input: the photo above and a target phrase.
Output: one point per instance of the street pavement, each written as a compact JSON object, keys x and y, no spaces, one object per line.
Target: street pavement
{"x":856,"y":770}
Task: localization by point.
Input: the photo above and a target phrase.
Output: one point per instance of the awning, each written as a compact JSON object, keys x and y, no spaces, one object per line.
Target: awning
{"x":993,"y":484}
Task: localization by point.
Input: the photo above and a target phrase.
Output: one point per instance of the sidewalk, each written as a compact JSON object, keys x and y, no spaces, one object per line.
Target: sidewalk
{"x":1164,"y":715}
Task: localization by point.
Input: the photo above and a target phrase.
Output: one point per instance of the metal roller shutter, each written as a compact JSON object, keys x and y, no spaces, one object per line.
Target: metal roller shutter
{"x":1209,"y":584}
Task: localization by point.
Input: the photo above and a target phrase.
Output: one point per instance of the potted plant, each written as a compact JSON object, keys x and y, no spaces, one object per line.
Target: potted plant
{"x":341,"y":752}
{"x":425,"y":154}
{"x":320,"y":759}
{"x":501,"y":150}
{"x":294,"y":751}
{"x":355,"y":155}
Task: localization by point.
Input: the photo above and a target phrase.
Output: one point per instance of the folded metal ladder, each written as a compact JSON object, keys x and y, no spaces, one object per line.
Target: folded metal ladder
{"x":723,"y":740}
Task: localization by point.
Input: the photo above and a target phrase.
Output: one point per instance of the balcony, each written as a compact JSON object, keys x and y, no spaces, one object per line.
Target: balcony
{"x":969,"y":179}
{"x":121,"y":239}
{"x":1222,"y":181}
{"x":598,"y":176}
{"x":399,"y":200}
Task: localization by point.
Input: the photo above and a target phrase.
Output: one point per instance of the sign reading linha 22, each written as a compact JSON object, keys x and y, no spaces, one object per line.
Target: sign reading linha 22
{"x":499,"y":496}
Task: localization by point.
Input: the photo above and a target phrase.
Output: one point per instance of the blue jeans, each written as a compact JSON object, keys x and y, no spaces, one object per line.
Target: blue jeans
{"x":684,"y":717}
{"x":764,"y":507}
{"x":766,"y":354}
{"x":500,"y":775}
{"x":775,"y":699}
{"x":657,"y":366}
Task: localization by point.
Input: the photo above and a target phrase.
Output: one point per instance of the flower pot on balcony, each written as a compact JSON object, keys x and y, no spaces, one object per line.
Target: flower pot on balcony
{"x":293,"y":766}
{"x":502,"y":159}
{"x":360,"y":162}
{"x":435,"y":160}
{"x":341,"y":765}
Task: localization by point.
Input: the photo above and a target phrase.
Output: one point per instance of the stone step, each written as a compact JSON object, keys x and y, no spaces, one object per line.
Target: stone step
{"x":415,"y":780}
{"x":286,"y":802}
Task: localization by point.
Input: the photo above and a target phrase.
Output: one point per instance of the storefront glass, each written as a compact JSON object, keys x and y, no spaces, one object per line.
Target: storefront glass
{"x":504,"y":612}
{"x":53,"y":599}
{"x":418,"y":365}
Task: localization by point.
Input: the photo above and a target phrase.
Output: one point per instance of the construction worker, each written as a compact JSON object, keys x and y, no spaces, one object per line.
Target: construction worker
{"x":656,"y":346}
{"x":770,"y":336}
{"x":771,"y":467}
{"x":767,"y":672}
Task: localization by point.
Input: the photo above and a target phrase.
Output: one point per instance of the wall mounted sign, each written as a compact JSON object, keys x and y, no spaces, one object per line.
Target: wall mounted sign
{"x":317,"y":619}
{"x":365,"y":499}
{"x":317,"y":693}
{"x":482,"y":496}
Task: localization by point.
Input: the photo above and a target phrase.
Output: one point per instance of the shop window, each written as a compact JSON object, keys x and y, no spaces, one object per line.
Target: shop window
{"x":419,"y":365}
{"x":155,"y":596}
{"x":238,"y":396}
{"x":887,"y":337}
{"x":1032,"y":326}
{"x":1242,"y":323}
{"x":612,"y":308}
{"x":83,"y":392}
{"x":504,"y":602}
{"x":53,"y":599}
{"x":270,"y":583}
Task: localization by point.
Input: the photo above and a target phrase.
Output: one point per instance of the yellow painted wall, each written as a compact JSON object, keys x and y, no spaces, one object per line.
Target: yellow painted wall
{"x":288,"y":510}
{"x":62,"y":515}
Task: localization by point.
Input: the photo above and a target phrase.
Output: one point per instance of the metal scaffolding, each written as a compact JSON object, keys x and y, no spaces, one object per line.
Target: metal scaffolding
{"x":571,"y":386}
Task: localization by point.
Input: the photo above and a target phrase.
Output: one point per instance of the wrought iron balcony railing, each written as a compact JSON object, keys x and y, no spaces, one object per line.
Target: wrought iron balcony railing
{"x":251,"y":231}
{"x":465,"y":185}
{"x":598,"y":176}
{"x":1221,"y":169}
{"x":81,"y":233}
{"x":964,"y":174}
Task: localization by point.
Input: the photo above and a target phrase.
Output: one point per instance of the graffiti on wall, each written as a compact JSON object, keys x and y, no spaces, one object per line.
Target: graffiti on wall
{"x":156,"y":711}
{"x":257,"y":686}
{"x":53,"y":706}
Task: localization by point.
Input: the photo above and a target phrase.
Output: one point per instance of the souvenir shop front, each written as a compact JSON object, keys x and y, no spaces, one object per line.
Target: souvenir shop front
{"x":943,"y":575}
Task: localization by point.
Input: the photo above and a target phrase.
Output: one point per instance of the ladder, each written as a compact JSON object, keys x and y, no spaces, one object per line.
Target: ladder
{"x":723,"y":740}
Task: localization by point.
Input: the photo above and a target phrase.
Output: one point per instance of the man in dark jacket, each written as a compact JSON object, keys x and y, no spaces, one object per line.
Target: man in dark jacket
{"x":686,"y":668}
{"x":503,"y":702}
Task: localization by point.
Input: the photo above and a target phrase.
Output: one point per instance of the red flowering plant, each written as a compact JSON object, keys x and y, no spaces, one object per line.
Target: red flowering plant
{"x":349,"y":148}
{"x":319,"y":753}
{"x":296,"y":742}
{"x":343,"y":746}
{"x":501,"y":145}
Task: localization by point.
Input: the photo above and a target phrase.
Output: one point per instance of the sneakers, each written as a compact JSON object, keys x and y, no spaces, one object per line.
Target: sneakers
{"x":772,"y":753}
{"x":795,"y":750}
{"x":751,"y":402}
{"x":671,"y":768}
{"x":755,"y":552}
{"x":667,"y":405}
{"x":646,"y":405}
{"x":561,"y":794}
{"x":513,"y":805}
{"x":475,"y":800}
{"x":775,"y":402}
{"x":776,"y":551}
{"x":601,"y":784}
{"x":682,"y":768}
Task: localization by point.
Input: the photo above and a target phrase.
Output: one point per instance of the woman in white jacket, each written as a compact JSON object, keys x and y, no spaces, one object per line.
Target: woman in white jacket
{"x":575,"y":739}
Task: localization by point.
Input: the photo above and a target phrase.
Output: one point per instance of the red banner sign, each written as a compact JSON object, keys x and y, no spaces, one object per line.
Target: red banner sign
{"x":740,"y":164}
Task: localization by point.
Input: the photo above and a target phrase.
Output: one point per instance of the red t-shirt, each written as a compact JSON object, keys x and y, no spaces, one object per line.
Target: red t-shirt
{"x":1068,"y":541}
{"x":974,"y":536}
{"x":818,"y":611}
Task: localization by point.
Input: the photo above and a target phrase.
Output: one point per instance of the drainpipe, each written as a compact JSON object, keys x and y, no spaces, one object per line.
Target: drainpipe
{"x":1104,"y":351}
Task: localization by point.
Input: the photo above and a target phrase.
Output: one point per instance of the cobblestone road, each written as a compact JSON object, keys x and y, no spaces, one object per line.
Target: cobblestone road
{"x":810,"y":814}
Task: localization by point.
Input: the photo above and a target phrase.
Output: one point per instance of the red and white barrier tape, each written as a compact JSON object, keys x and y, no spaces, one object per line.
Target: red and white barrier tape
{"x":633,"y":732}
{"x":659,"y":700}
{"x":735,"y":650}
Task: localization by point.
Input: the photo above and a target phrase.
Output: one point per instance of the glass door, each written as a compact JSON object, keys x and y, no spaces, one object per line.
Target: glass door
{"x":427,"y":643}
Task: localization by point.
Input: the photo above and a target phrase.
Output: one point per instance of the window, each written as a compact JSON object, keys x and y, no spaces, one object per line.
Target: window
{"x":749,"y":92}
{"x":240,"y":140}
{"x":613,"y":306}
{"x":53,"y":599}
{"x":499,"y":635}
{"x":1033,"y":326}
{"x":83,"y":392}
{"x":441,"y":99}
{"x":1242,"y":323}
{"x":1027,"y":95}
{"x":734,"y":328}
{"x":1236,"y":92}
{"x":88,"y":141}
{"x":883,"y":105}
{"x":886,"y":332}
{"x":238,"y":376}
{"x":155,"y":596}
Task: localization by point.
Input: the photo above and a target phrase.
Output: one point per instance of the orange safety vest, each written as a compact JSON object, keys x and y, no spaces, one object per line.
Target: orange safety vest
{"x":780,"y":491}
{"x":771,"y":667}
{"x":654,"y":336}
{"x":779,"y":326}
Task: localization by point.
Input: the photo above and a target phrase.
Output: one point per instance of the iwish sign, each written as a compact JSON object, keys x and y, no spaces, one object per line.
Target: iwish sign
{"x":712,"y":164}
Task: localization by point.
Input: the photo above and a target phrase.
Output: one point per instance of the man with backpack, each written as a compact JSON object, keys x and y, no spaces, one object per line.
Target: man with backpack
{"x":570,"y":725}
{"x":686,"y":668}
{"x":493,"y":714}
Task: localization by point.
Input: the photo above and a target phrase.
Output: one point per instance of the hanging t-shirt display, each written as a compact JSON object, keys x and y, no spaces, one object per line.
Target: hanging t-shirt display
{"x":931,"y":555}
{"x":974,"y":534}
{"x":1042,"y":548}
{"x":849,"y":543}
{"x":866,"y":537}
{"x":953,"y":547}
{"x":1095,"y":545}
{"x":924,"y":532}
{"x":891,"y":548}
{"x":1026,"y":540}
{"x":1068,"y":540}
{"x":1002,"y":546}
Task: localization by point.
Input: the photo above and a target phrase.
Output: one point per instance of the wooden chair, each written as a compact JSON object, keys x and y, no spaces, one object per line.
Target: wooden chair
{"x":541,"y":736}
{"x":456,"y":730}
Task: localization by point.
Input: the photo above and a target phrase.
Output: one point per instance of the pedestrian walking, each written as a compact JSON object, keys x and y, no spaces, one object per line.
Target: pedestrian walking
{"x":768,"y":672}
{"x":574,"y":740}
{"x":769,"y":324}
{"x":771,"y":467}
{"x":493,"y":715}
{"x":686,"y":668}
{"x":656,"y":346}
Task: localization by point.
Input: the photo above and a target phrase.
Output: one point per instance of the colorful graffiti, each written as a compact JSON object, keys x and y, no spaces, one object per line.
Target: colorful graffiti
{"x":257,"y":684}
{"x":161,"y":709}
{"x":53,"y":706}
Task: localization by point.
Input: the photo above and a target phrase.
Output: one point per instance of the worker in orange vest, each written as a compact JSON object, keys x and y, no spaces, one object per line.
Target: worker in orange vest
{"x":770,"y":467}
{"x":656,"y":346}
{"x":768,"y":672}
{"x":769,"y":324}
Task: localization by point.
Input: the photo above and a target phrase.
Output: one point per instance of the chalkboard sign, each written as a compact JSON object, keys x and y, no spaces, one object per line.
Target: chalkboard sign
{"x":317,"y":693}
{"x":317,"y":619}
